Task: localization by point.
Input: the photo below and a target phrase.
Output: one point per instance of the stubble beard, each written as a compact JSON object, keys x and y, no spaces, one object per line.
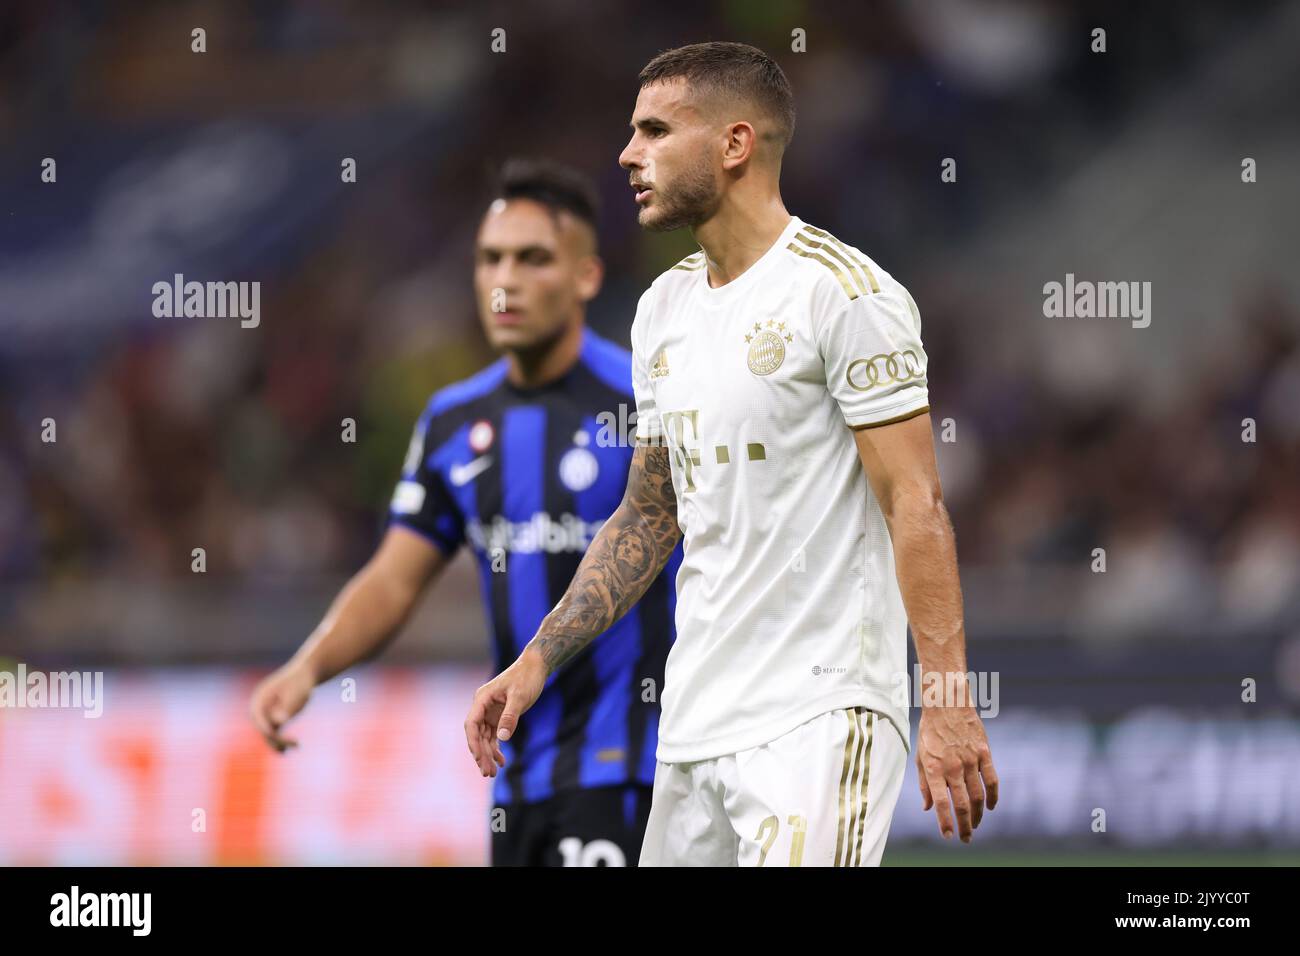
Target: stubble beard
{"x":693,"y":199}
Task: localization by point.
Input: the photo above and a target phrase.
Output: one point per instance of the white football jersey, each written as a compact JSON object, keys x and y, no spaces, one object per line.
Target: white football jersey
{"x":787,"y":602}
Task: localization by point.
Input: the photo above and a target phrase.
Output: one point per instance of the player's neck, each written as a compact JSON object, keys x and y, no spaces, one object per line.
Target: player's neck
{"x":738,"y":235}
{"x":533,"y":368}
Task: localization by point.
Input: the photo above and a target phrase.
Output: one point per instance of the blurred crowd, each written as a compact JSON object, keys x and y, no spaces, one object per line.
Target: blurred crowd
{"x":201,"y":434}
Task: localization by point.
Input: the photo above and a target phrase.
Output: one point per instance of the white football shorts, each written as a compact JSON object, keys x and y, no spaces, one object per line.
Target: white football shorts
{"x":821,"y":795}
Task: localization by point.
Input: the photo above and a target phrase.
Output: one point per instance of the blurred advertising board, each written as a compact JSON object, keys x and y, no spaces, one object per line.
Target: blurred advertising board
{"x":171,"y":771}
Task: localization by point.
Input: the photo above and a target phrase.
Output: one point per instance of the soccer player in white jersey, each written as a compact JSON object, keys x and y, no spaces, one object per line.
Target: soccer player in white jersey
{"x":783,"y":431}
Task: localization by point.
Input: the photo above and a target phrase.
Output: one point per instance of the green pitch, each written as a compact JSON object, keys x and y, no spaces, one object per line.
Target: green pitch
{"x":959,"y":855}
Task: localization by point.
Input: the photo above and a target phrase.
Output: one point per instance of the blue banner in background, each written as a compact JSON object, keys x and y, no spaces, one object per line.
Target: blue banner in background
{"x":233,"y":200}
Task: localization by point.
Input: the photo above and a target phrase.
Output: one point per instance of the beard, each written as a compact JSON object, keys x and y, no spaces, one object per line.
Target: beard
{"x":693,"y":199}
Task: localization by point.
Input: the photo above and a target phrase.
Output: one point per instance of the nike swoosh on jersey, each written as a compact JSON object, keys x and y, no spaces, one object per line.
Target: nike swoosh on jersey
{"x":462,"y":474}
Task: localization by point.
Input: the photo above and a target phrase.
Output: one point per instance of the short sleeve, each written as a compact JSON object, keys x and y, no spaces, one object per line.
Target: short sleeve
{"x":875,"y":365}
{"x":421,"y":501}
{"x":649,"y":427}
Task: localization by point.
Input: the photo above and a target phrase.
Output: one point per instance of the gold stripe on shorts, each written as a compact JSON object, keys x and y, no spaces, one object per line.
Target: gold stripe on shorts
{"x":866,"y":775}
{"x":855,"y":792}
{"x":844,"y":783}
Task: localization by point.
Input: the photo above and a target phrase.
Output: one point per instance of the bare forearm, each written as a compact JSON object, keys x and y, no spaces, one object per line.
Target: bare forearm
{"x":925,"y":560}
{"x":626,"y":555}
{"x":362,"y":619}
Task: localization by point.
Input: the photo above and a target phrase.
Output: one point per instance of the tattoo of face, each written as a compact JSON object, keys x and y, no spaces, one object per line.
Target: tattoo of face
{"x":627,"y":553}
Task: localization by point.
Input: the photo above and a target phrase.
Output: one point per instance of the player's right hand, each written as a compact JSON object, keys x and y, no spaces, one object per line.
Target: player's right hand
{"x":497,"y":706}
{"x":277,"y":699}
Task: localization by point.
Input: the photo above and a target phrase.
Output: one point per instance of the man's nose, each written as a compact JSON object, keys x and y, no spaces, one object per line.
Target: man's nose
{"x":503,"y":273}
{"x":628,"y":159}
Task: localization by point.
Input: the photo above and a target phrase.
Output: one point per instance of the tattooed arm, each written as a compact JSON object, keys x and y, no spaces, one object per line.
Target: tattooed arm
{"x":626,"y":555}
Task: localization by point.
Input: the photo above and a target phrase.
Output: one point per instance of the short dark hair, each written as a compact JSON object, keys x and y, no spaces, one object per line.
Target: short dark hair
{"x":553,"y":185}
{"x":733,"y":70}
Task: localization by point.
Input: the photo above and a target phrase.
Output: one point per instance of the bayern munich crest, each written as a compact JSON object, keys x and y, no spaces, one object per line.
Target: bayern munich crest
{"x":767,"y":347}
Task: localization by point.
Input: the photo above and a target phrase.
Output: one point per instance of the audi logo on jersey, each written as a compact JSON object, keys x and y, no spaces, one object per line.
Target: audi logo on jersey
{"x":882,"y":369}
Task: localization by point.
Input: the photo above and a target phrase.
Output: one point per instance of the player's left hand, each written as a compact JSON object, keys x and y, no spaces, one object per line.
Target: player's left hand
{"x":952,"y":754}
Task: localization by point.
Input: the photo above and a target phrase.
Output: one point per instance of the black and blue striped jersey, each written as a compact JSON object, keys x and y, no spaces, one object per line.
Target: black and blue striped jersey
{"x":526,"y":477}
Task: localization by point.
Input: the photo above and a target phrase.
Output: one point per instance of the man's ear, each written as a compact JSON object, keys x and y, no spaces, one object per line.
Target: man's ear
{"x":742,"y":143}
{"x":590,"y":276}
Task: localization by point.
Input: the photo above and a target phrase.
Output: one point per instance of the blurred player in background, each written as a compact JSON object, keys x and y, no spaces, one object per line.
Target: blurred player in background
{"x":783,"y":431}
{"x":515,"y":461}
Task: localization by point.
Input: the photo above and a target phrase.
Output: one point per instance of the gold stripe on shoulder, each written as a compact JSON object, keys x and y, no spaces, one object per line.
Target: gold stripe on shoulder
{"x":826,"y":248}
{"x":691,"y":263}
{"x":823,"y":234}
{"x":845,"y":284}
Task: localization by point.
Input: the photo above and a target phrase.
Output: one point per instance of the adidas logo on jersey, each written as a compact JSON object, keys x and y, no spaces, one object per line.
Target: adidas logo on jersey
{"x":659,"y":368}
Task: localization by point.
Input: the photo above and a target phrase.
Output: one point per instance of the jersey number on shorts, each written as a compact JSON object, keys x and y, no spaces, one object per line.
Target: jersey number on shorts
{"x":771,"y":825}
